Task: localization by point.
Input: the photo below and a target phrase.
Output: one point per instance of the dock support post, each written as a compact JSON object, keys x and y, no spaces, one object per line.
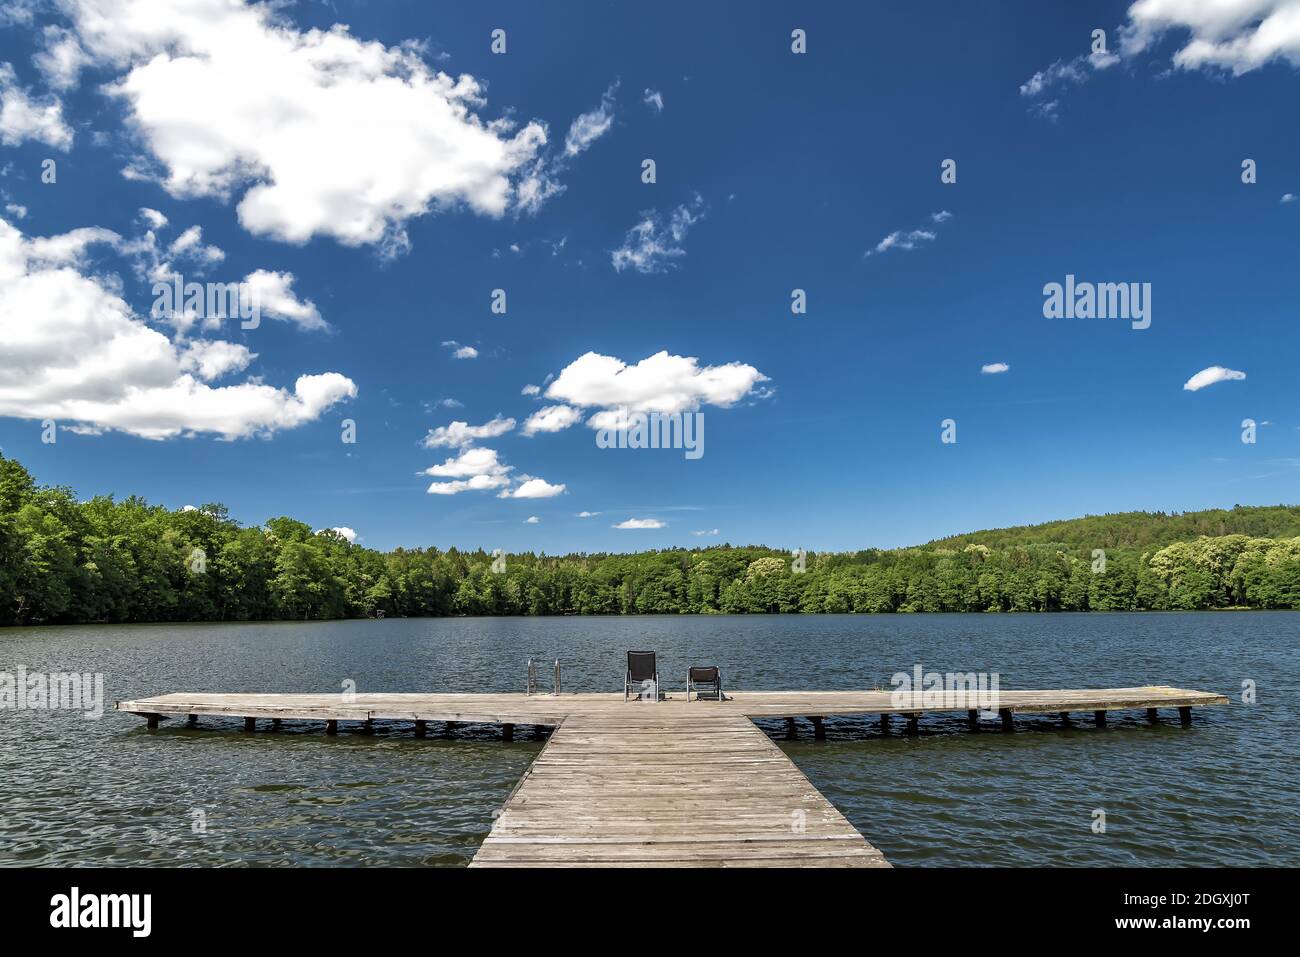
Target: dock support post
{"x":151,"y":722}
{"x":1153,"y":715}
{"x":250,"y":724}
{"x":507,"y":732}
{"x":1065,"y":719}
{"x":1100,"y":718}
{"x":1008,"y":723}
{"x":913,"y":726}
{"x":790,"y":730}
{"x":537,"y":733}
{"x":973,"y":719}
{"x":275,"y":724}
{"x":884,"y":722}
{"x":331,"y":727}
{"x":819,"y":730}
{"x":367,"y":727}
{"x":448,"y":728}
{"x":421,"y":729}
{"x":1185,"y":716}
{"x":193,"y":720}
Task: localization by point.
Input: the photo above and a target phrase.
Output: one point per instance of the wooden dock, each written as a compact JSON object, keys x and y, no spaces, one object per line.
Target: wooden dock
{"x":659,"y":783}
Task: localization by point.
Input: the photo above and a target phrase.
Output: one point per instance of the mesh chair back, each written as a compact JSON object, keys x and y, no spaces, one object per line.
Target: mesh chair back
{"x":641,"y":665}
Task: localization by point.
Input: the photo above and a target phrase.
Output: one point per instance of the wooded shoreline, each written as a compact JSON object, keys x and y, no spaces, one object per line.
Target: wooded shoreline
{"x":102,"y":560}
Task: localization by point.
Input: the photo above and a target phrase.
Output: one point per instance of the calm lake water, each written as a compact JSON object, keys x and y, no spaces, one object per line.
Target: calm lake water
{"x":1224,"y":792}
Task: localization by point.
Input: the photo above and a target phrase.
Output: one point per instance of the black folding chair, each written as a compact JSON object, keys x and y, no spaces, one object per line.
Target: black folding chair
{"x":641,"y":668}
{"x":706,"y":682}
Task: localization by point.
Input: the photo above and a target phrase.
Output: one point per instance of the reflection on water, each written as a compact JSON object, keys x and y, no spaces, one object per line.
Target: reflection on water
{"x":76,"y":791}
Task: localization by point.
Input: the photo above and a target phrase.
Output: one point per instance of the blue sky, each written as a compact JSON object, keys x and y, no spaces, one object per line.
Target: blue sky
{"x":788,"y":168}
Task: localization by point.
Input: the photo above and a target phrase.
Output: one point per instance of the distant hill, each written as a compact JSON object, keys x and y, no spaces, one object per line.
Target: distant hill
{"x":1139,"y":530}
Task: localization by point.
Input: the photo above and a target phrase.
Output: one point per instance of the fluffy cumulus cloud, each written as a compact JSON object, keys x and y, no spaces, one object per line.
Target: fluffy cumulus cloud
{"x":459,"y":351}
{"x":553,"y":418}
{"x":655,"y":243}
{"x":461,"y":434}
{"x":995,"y":368}
{"x":1210,"y":376}
{"x":653,"y":99}
{"x":475,"y":469}
{"x":531,"y":487}
{"x":76,"y":353}
{"x":273,"y":293}
{"x":640,"y":523}
{"x":659,"y":383}
{"x":1233,"y":35}
{"x":471,"y":470}
{"x":24,"y":116}
{"x":342,"y":531}
{"x":330,"y":134}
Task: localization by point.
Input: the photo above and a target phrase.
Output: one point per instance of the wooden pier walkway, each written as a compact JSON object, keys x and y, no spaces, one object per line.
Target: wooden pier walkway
{"x":658,"y":783}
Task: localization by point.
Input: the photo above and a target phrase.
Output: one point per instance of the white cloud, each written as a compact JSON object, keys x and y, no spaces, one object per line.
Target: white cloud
{"x":17,"y":210}
{"x":910,"y":239}
{"x":471,"y":470}
{"x":530,"y":390}
{"x":591,"y":126}
{"x":75,"y":353}
{"x":189,"y":244}
{"x":459,"y":351}
{"x":653,"y":245}
{"x":588,"y":514}
{"x":707,"y":532}
{"x":532,"y":487}
{"x":532,"y":520}
{"x":329,"y":135}
{"x":273,"y":293}
{"x":653,"y":99}
{"x":1210,"y":376}
{"x":659,"y":383}
{"x":62,"y":59}
{"x":541,"y":180}
{"x":640,"y":523}
{"x":479,"y":469}
{"x":213,"y":358}
{"x":155,"y":219}
{"x":342,"y":531}
{"x":24,"y":117}
{"x":552,"y":418}
{"x":993,"y":368}
{"x":1289,"y":197}
{"x":1233,"y":35}
{"x":460,"y":434}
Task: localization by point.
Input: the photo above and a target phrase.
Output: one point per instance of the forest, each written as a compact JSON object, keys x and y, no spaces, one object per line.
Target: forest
{"x":108,"y":560}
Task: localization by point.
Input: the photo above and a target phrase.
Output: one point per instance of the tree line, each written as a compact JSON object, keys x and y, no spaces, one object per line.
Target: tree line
{"x":105,"y":560}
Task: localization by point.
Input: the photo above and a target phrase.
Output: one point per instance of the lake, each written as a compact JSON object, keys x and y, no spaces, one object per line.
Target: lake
{"x":107,"y":792}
